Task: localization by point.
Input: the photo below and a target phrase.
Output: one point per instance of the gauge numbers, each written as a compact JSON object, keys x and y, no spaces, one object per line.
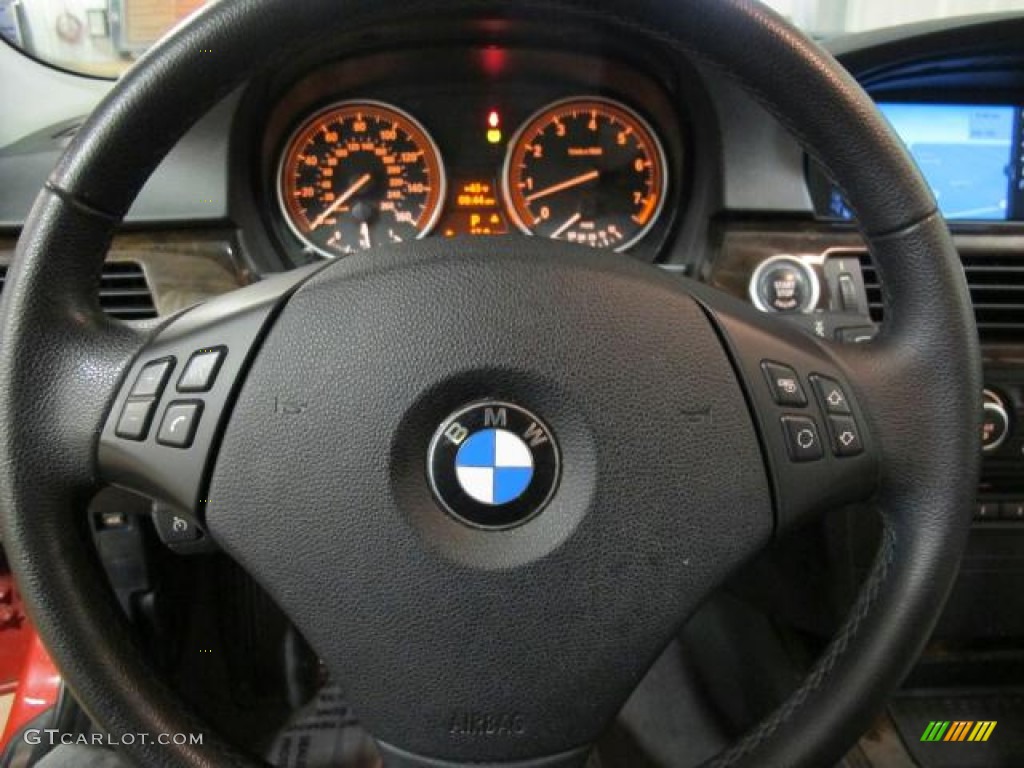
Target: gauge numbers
{"x":588,"y":171}
{"x":360,"y":175}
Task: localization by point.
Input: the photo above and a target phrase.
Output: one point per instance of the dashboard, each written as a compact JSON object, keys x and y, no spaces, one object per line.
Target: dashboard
{"x":471,"y":142}
{"x":585,"y":169}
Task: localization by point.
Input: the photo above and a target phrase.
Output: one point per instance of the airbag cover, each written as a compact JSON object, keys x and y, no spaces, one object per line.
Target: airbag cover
{"x":447,"y":636}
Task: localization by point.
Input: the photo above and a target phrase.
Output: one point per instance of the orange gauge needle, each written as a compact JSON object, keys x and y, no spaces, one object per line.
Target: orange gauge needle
{"x":564,"y":185}
{"x":342,"y":199}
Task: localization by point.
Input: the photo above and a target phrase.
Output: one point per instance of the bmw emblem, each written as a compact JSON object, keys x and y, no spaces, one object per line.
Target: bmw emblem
{"x":493,"y":465}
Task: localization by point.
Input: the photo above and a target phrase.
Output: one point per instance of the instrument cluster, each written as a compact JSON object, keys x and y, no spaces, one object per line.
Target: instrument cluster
{"x":586,"y":155}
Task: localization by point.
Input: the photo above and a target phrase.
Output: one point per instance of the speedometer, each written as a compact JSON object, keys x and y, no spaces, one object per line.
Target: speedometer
{"x":359,"y":175}
{"x":588,"y":171}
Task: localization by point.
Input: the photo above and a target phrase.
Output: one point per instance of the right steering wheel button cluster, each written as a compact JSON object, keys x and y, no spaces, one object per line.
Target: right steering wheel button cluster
{"x":785,"y":384}
{"x":802,"y":438}
{"x":803,"y":441}
{"x":831,"y":395}
{"x":842,"y":426}
{"x":846,"y":439}
{"x":818,"y":452}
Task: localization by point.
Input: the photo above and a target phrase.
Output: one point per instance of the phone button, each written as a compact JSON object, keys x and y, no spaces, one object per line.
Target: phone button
{"x":181,"y":420}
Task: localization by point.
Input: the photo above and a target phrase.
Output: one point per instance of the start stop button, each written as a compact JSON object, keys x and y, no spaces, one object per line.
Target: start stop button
{"x":785,"y":284}
{"x":995,"y":427}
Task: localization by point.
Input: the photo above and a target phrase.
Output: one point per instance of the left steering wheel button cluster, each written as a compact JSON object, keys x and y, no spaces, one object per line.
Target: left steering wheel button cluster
{"x":179,"y":425}
{"x":137,"y":414}
{"x":135,"y":419}
{"x":151,"y":380}
{"x":201,"y":370}
{"x":161,"y":445}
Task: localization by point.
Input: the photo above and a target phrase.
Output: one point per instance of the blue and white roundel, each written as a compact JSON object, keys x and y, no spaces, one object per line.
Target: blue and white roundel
{"x":494,"y":467}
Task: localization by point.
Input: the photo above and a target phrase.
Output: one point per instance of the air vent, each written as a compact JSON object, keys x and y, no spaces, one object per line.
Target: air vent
{"x":124,"y":292}
{"x":997,"y":290}
{"x":872,"y":286}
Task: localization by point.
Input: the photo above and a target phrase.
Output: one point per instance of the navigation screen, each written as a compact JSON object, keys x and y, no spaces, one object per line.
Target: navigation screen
{"x":965,"y":153}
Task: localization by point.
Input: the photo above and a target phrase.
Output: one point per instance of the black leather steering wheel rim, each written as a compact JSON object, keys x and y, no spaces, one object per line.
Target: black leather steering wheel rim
{"x":60,"y":356}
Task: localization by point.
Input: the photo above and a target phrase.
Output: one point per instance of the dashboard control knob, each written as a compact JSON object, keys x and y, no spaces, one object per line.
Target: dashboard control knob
{"x":785,"y":284}
{"x":995,"y":427}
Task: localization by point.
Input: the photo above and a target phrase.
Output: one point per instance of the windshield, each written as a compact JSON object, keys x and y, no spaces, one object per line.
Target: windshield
{"x":829,"y":18}
{"x":103,"y":37}
{"x":93,"y":37}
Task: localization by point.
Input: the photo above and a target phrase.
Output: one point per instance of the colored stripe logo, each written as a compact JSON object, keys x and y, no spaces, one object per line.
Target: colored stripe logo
{"x":958,"y":730}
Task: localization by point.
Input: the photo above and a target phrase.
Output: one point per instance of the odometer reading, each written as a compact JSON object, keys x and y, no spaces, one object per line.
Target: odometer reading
{"x":359,"y":175}
{"x":587,"y":171}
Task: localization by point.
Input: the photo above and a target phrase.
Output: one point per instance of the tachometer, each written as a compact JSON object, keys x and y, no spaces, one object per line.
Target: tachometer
{"x":358,"y":175}
{"x":588,"y":171}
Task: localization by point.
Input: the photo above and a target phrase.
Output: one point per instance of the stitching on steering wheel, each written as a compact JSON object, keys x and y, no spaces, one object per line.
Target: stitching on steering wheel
{"x":823,"y":668}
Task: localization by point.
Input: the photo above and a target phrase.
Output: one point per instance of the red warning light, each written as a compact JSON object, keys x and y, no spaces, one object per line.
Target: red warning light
{"x":493,"y":119}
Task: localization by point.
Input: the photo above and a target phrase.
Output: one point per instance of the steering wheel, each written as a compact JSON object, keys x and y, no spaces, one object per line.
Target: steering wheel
{"x":316,"y":450}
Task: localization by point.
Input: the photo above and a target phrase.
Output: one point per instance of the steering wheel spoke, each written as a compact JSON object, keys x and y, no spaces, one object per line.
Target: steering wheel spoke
{"x":161,"y":432}
{"x":813,"y":417}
